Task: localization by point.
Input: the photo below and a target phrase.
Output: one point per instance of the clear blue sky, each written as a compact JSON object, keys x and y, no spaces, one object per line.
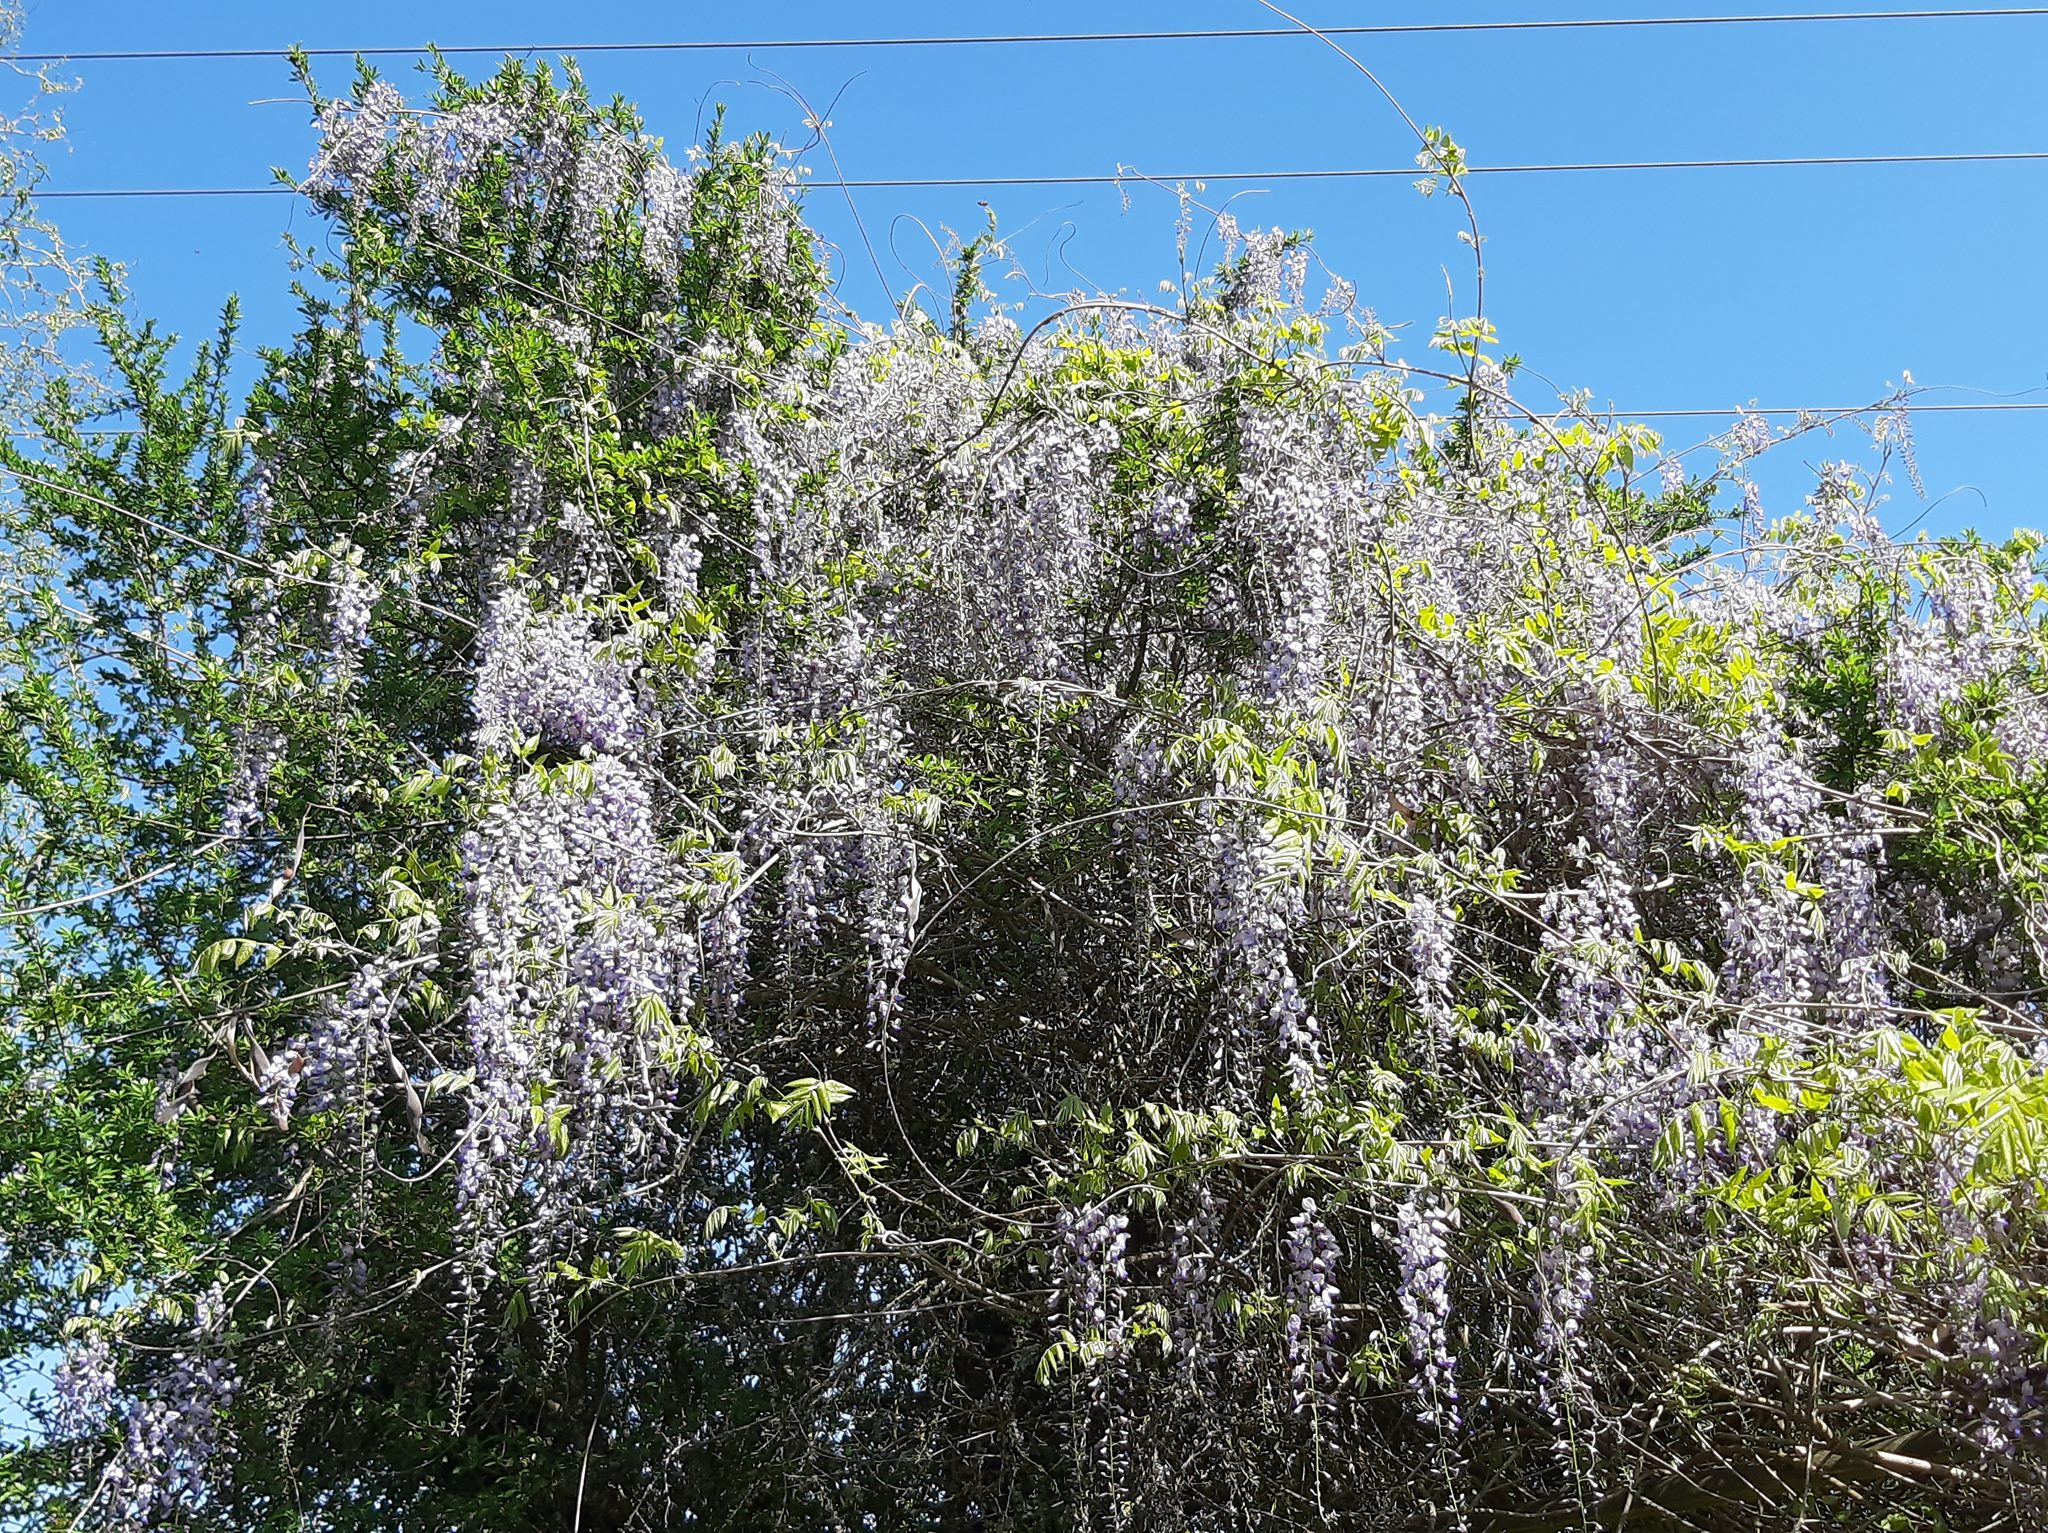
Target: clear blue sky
{"x":1656,"y":290}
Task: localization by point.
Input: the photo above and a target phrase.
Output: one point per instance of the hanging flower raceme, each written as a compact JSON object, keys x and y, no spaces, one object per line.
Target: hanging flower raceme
{"x":170,"y":1439}
{"x":1422,"y":1234}
{"x":1089,"y":1272}
{"x":1312,"y":1304}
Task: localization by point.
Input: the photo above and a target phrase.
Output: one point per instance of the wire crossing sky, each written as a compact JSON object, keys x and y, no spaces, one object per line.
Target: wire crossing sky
{"x":681,"y":45}
{"x":2020,"y":156}
{"x":1780,"y":206}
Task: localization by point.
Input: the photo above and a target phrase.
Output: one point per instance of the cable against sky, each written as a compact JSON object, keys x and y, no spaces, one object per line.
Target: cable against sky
{"x":1198,"y":34}
{"x":1125,"y":177}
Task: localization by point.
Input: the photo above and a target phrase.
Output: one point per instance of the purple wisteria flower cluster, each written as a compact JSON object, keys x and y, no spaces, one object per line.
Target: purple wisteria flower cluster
{"x":334,"y":1061}
{"x":82,"y":1387}
{"x":577,"y":180}
{"x":1312,"y":1295}
{"x":171,"y":1437}
{"x":1090,"y":1271}
{"x":1252,"y":908}
{"x":153,"y":1449}
{"x":1422,"y":1235}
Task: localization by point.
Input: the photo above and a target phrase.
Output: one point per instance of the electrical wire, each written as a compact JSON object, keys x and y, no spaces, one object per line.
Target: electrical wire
{"x":1231,"y":34}
{"x":1971,"y":407}
{"x":1127,"y":177}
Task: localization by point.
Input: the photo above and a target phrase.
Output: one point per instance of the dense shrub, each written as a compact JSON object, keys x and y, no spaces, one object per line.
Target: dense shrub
{"x":649,"y":906}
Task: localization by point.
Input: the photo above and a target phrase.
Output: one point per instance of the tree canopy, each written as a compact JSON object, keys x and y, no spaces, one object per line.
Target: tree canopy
{"x":633,"y":903}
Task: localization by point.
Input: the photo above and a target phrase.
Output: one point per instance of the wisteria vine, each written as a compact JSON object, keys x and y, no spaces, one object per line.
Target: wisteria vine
{"x":1115,"y":897}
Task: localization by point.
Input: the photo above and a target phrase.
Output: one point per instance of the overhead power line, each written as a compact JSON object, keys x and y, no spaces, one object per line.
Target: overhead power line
{"x":1126,"y":177}
{"x":1233,"y":34}
{"x":1974,"y":407}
